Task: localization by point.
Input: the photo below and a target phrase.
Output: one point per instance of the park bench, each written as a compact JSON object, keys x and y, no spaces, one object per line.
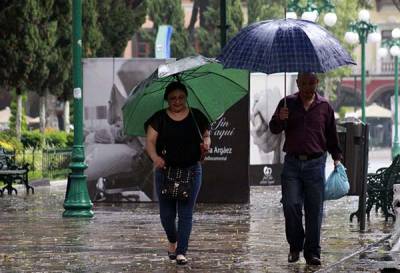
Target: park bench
{"x":11,"y":173}
{"x":380,"y":189}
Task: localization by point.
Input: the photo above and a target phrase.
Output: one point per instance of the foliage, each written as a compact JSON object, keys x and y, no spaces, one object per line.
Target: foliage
{"x":91,"y":35}
{"x":17,"y":52}
{"x":209,"y":38}
{"x":9,"y":141}
{"x":70,"y":139}
{"x":259,"y":10}
{"x":46,"y":56}
{"x":55,"y":138}
{"x":18,"y":47}
{"x":170,"y":12}
{"x":32,"y":139}
{"x":119,"y":22}
{"x":50,"y":139}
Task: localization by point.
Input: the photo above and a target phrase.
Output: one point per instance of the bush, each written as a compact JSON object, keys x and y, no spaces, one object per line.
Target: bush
{"x":32,"y":139}
{"x":9,"y":141}
{"x":56,"y":139}
{"x":70,"y":139}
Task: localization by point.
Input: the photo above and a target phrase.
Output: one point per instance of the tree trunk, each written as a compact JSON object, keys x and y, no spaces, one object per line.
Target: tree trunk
{"x":42,"y":113}
{"x":18,"y":118}
{"x":66,"y":116}
{"x":51,"y":115}
{"x":203,"y":7}
{"x":193,"y":20}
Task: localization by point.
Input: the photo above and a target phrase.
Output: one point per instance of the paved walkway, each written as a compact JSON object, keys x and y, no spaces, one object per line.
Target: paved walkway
{"x":128,"y":237}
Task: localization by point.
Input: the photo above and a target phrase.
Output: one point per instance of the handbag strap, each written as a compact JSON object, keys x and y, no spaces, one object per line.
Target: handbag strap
{"x":197,"y":125}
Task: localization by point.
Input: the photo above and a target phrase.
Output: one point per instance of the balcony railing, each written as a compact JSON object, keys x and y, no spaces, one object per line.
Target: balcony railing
{"x":387,"y":67}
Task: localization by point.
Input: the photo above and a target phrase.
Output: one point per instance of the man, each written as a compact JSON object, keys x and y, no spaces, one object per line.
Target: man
{"x":310,"y":130}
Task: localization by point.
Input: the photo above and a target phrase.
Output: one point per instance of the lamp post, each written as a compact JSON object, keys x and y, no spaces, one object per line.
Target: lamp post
{"x":77,"y":202}
{"x":394,"y":49}
{"x":362,"y":31}
{"x":311,"y":11}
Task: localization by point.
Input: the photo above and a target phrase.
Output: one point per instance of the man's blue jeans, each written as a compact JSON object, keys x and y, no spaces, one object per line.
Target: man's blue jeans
{"x":303,"y":185}
{"x":169,"y":208}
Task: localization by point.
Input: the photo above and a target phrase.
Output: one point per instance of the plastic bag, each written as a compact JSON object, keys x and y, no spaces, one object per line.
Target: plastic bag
{"x":337,"y":185}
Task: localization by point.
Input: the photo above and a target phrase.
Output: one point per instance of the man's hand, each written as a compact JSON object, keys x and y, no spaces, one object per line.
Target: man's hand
{"x":283,"y":113}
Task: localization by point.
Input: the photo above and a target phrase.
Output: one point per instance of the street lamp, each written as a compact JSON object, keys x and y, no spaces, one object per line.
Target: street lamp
{"x":394,"y":49}
{"x":77,"y":202}
{"x":362,"y":31}
{"x":311,"y":11}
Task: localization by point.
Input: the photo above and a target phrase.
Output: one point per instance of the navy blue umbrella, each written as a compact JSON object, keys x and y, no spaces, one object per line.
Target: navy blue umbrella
{"x":284,"y":45}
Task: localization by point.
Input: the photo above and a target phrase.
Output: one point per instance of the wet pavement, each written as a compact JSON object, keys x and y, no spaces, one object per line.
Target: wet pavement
{"x":34,"y":237}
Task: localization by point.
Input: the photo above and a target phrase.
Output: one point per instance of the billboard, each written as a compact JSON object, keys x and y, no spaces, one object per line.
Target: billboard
{"x":118,"y":167}
{"x":225,"y":170}
{"x":266,"y":156}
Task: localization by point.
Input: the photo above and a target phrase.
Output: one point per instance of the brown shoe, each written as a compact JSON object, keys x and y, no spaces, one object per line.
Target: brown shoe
{"x":313,"y":260}
{"x":293,"y":256}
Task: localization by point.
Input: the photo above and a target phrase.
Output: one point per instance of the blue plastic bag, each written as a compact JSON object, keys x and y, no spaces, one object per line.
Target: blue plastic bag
{"x":337,"y":185}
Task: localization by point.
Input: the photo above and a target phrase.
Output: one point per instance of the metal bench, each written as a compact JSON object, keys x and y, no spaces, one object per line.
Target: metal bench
{"x":10,"y":173}
{"x":380,"y":189}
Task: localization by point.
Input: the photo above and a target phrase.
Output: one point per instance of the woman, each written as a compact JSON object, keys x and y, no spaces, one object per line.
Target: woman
{"x":176,"y":137}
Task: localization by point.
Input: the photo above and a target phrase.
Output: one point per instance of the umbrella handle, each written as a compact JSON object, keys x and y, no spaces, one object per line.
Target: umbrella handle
{"x":284,"y":90}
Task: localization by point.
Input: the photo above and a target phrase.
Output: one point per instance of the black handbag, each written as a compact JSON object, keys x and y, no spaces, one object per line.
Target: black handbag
{"x":177,"y":183}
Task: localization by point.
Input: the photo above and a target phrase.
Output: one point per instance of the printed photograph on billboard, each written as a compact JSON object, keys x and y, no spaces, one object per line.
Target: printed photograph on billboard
{"x":266,"y":156}
{"x":118,"y":167}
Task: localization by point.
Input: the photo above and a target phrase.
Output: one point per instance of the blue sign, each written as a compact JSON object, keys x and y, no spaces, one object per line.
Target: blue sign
{"x":163,"y":41}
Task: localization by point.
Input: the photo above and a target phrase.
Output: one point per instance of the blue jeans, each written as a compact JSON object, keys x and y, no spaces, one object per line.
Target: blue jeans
{"x":303,"y":185}
{"x":169,"y":208}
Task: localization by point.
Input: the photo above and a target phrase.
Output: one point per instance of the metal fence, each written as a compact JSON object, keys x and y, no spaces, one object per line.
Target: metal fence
{"x":55,"y":163}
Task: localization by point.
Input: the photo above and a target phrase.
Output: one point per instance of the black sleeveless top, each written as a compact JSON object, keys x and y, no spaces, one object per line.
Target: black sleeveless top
{"x":180,"y":139}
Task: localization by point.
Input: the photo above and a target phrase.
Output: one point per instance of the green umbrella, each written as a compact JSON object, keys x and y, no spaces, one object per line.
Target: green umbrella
{"x":211,"y":89}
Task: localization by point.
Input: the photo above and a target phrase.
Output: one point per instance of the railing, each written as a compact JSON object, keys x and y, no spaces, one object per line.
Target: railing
{"x":387,"y":67}
{"x":55,"y":162}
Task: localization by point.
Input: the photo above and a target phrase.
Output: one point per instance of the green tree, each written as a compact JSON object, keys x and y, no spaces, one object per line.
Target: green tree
{"x":170,"y":12}
{"x":119,"y":22}
{"x":259,"y":10}
{"x":41,"y":78}
{"x":92,"y":38}
{"x":91,"y":33}
{"x":19,"y":31}
{"x":209,"y":34}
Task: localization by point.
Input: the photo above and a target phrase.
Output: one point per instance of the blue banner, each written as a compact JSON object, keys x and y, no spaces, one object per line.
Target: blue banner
{"x":163,"y":40}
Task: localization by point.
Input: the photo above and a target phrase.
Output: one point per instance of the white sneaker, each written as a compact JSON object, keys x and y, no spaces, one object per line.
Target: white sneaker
{"x":181,"y":259}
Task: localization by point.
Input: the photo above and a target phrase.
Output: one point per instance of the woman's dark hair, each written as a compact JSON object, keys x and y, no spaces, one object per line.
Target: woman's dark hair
{"x":174,"y":86}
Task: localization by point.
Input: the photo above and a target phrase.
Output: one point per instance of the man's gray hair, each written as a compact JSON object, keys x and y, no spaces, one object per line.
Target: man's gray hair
{"x":310,"y":74}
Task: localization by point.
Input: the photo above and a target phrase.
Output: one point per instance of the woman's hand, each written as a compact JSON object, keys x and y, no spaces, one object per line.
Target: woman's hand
{"x":151,"y":139}
{"x":159,"y":162}
{"x":204,"y":147}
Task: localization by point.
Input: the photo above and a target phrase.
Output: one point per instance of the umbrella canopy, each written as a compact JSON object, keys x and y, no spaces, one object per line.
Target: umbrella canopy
{"x":211,"y":89}
{"x":284,"y":45}
{"x":375,"y":111}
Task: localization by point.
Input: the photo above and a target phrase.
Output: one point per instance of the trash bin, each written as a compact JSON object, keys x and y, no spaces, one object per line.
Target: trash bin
{"x":353,"y":139}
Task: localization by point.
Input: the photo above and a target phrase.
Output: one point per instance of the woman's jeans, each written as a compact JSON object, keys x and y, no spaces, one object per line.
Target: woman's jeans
{"x":169,"y":208}
{"x":303,"y":185}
